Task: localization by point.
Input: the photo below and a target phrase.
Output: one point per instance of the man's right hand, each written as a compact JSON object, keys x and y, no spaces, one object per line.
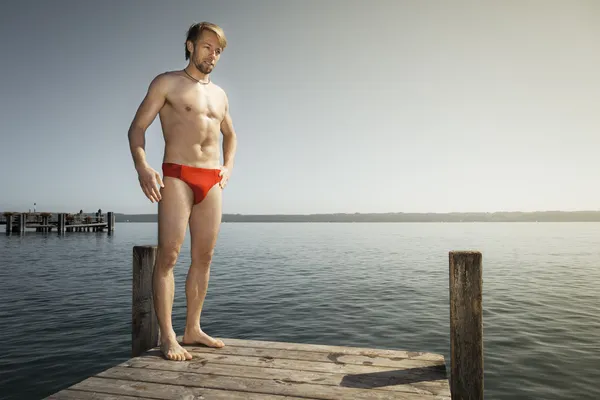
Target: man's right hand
{"x":149,"y":181}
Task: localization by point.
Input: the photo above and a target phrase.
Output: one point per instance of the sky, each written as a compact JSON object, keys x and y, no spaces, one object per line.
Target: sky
{"x":339,"y":105}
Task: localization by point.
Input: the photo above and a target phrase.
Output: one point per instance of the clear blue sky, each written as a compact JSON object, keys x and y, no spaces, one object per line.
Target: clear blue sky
{"x":339,"y":106}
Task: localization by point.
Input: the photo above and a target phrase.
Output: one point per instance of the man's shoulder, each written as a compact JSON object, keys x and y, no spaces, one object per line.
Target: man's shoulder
{"x":166,"y":77}
{"x":165,"y":83}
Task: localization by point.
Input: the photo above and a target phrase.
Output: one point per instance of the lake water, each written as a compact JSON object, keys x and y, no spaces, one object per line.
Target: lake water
{"x":65,"y":302}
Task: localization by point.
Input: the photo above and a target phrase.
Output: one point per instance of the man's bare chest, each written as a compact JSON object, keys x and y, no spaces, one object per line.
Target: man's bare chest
{"x":199,"y":102}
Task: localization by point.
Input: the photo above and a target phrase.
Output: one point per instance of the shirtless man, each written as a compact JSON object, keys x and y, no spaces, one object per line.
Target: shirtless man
{"x":193,"y":112}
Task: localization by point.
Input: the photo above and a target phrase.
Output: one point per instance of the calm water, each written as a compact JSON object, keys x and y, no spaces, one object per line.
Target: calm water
{"x":65,"y":302}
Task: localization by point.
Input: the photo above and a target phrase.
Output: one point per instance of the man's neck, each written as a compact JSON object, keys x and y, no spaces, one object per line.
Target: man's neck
{"x":195,"y":74}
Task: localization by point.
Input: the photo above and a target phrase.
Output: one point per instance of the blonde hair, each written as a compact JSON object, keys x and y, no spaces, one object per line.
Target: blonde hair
{"x":195,"y":31}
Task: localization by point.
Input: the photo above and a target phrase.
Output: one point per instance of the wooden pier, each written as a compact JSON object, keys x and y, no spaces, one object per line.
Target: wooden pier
{"x":271,"y":370}
{"x":18,"y":222}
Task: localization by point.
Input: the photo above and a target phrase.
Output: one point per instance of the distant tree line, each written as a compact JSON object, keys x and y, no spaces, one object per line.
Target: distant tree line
{"x":538,"y":216}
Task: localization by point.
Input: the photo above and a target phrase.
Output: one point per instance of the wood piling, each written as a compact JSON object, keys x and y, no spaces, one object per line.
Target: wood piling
{"x":22,"y":223}
{"x":466,"y":325}
{"x":9,"y":222}
{"x":110,"y":216}
{"x":61,"y":223}
{"x":144,"y":325}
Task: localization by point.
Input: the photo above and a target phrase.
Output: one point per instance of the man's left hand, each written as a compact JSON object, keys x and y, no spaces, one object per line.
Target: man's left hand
{"x":224,"y":174}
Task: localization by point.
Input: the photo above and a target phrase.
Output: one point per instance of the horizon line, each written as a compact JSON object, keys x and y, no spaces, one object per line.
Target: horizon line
{"x":344,"y":213}
{"x":396,"y":212}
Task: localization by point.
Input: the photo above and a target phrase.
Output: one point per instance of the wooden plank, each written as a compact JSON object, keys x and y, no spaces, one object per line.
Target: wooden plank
{"x":466,"y":325}
{"x":414,"y":355}
{"x":332,"y":357}
{"x":419,"y":380}
{"x":144,"y":323}
{"x":52,"y":225}
{"x":257,"y":386}
{"x":70,"y":394}
{"x":167,"y":391}
{"x":298,"y":365}
{"x":98,"y":224}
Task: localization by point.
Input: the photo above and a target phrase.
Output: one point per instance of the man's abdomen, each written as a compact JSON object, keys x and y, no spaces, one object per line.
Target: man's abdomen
{"x":187,"y":148}
{"x":191,"y":139}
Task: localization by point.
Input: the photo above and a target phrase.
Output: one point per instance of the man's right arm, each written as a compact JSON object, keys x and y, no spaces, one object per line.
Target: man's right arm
{"x":146,"y":113}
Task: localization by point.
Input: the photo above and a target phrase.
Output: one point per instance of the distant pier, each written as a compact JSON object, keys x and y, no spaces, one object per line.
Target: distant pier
{"x":21,"y":222}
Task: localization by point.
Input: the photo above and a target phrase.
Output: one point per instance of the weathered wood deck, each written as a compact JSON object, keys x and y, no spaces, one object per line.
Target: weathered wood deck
{"x":248,"y":369}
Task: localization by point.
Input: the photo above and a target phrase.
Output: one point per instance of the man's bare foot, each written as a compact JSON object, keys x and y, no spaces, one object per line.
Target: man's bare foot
{"x":197,"y":336}
{"x":173,"y":351}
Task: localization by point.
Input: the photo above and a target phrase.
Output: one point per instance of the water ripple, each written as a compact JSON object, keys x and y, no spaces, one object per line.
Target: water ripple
{"x":65,"y":302}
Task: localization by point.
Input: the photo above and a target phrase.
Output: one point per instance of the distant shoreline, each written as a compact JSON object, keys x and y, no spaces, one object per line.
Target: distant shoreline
{"x":537,"y":216}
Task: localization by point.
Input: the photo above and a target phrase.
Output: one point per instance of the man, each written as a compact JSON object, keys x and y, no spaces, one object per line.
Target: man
{"x":193,"y":112}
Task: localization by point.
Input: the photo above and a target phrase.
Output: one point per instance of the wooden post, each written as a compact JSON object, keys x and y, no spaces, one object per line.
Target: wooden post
{"x":144,"y":327}
{"x":466,"y":325}
{"x":22,"y":223}
{"x":9,"y":223}
{"x":110,"y":216}
{"x":61,"y":223}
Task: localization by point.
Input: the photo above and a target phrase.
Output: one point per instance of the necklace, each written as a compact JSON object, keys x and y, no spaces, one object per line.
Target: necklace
{"x":204,"y":83}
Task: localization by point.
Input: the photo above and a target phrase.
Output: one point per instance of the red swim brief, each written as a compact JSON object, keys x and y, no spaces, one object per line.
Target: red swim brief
{"x":200,"y":180}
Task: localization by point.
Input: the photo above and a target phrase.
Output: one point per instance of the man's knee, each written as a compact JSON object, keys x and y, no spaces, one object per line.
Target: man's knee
{"x":166,"y":256}
{"x":202,"y":257}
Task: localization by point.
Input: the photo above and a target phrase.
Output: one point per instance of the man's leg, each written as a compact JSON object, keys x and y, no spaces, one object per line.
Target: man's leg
{"x":205,"y":222}
{"x":173,"y":213}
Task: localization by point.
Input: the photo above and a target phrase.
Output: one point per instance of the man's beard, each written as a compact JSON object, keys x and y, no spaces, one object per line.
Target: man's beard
{"x":204,"y":67}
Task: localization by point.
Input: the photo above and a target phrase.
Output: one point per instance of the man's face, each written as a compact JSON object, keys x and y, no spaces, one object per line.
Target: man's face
{"x":206,"y":52}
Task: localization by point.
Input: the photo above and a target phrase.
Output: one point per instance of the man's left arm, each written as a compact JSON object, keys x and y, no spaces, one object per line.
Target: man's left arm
{"x":229,"y":139}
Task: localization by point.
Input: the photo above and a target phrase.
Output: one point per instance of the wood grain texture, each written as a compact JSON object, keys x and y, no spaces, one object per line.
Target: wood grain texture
{"x":350,"y":350}
{"x":254,"y":370}
{"x":466,"y":325}
{"x":367,"y":359}
{"x":83,"y":395}
{"x":420,"y":380}
{"x":299,"y":365}
{"x":126,"y":388}
{"x":256,"y":386}
{"x":144,"y":324}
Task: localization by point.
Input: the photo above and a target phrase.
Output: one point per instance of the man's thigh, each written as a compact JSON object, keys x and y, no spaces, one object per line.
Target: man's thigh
{"x":174,"y":210}
{"x":205,"y":222}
